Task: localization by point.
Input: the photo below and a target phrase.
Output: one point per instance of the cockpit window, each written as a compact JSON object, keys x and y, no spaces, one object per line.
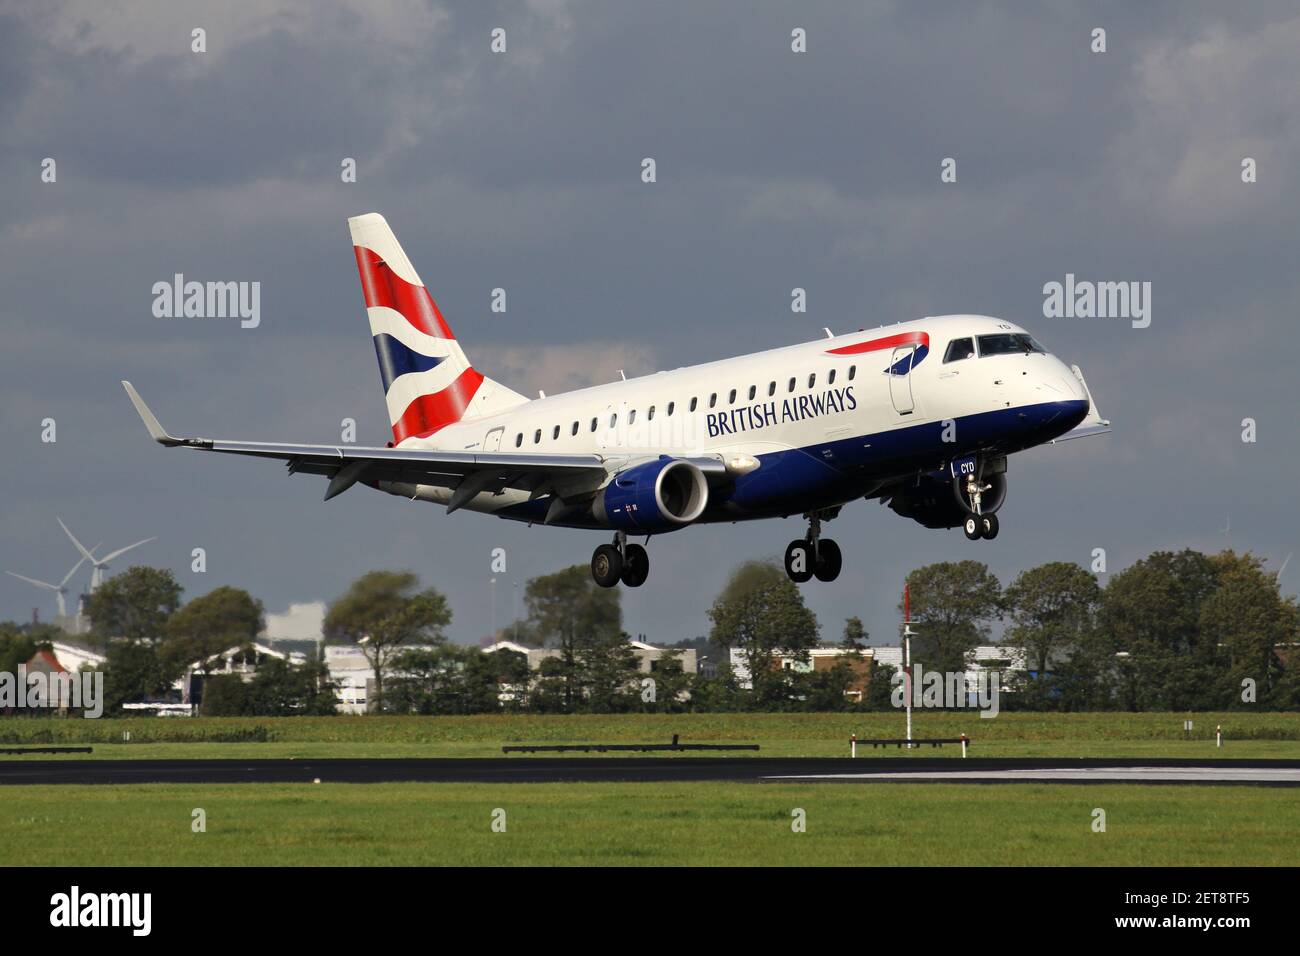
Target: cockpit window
{"x":959,"y":349}
{"x":1008,"y":343}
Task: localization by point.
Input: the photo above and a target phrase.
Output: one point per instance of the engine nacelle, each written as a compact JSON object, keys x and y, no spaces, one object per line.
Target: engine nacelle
{"x":935,"y":502}
{"x":658,"y":496}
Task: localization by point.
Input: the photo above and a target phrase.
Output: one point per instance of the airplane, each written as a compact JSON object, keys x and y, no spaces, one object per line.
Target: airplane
{"x":921,"y":415}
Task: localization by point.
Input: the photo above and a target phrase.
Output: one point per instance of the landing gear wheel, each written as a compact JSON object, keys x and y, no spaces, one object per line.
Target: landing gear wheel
{"x":636,"y":565}
{"x":606,"y":565}
{"x":988,"y":527}
{"x":829,"y":560}
{"x":799,"y":561}
{"x":973,"y":527}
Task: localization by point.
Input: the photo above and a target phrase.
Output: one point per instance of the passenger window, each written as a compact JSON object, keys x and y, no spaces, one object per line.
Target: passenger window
{"x":670,"y":409}
{"x":830,"y":379}
{"x":959,"y":349}
{"x":713,"y":399}
{"x":537,"y":437}
{"x":631,"y":417}
{"x":575,"y":429}
{"x":613,"y":420}
{"x":650,"y":415}
{"x":519,"y":439}
{"x":731,"y":399}
{"x":792,"y":385}
{"x":853,"y":370}
{"x":694,"y":402}
{"x":752,"y":392}
{"x":593,"y":424}
{"x":812,"y":379}
{"x":771,"y":388}
{"x":556,"y":433}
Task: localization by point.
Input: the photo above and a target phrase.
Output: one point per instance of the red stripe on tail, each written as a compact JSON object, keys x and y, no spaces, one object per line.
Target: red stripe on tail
{"x":383,"y":287}
{"x":428,"y":413}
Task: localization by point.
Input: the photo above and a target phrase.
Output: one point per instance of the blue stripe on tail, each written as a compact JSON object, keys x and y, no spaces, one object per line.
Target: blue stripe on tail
{"x":396,"y":359}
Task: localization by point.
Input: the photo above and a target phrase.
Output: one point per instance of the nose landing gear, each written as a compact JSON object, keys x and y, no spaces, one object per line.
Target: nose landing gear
{"x":977,"y":524}
{"x":980,"y":526}
{"x":813,"y":556}
{"x":620,"y":561}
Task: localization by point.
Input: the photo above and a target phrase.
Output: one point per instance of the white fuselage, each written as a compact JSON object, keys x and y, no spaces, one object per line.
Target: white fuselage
{"x":863,"y":415}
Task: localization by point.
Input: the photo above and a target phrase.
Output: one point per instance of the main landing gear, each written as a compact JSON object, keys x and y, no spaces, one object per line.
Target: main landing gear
{"x":813,"y":556}
{"x":620,"y":561}
{"x":977,"y":524}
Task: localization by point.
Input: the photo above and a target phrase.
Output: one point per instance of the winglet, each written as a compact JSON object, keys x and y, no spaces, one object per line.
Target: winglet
{"x":156,"y":431}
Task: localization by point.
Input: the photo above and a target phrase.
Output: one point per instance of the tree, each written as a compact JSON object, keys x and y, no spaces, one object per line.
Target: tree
{"x":223,"y":618}
{"x":226,"y":695}
{"x":132,"y":673}
{"x":281,"y":689}
{"x":1052,"y":610}
{"x":1182,"y":637}
{"x":762,"y":613}
{"x":16,"y":647}
{"x":1157,"y":601}
{"x":672,"y":685}
{"x":855,"y":635}
{"x":953,"y":604}
{"x":570,"y":611}
{"x":381,"y":612}
{"x":880,"y":687}
{"x":135,"y":604}
{"x":828,"y":689}
{"x":487,"y":676}
{"x":430,"y":680}
{"x":1247,"y":618}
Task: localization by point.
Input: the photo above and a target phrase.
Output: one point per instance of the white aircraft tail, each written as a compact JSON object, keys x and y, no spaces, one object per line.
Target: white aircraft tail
{"x":428,"y":380}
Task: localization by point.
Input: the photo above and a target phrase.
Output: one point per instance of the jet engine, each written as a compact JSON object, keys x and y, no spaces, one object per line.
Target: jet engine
{"x":657,"y":496}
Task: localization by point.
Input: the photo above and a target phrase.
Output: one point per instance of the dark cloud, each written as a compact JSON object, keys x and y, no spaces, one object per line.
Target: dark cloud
{"x":775,"y":170}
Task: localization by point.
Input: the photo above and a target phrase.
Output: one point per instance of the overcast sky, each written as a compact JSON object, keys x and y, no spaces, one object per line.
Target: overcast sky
{"x":522,"y":170}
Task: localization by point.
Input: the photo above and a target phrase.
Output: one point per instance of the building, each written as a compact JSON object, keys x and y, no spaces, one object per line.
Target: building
{"x":352,"y":676}
{"x":818,"y":659}
{"x":58,"y":692}
{"x":74,"y":657}
{"x":240,"y":659}
{"x":987,"y":657}
{"x":648,"y":656}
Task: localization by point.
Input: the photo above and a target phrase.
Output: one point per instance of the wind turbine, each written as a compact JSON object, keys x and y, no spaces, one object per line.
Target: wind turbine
{"x":60,"y":589}
{"x":99,"y":564}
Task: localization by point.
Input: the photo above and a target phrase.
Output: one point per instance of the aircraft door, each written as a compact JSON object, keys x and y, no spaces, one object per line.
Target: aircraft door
{"x":493,"y":440}
{"x":900,"y":379}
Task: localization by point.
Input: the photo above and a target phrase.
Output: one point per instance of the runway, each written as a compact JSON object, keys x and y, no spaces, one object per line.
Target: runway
{"x":530,"y":769}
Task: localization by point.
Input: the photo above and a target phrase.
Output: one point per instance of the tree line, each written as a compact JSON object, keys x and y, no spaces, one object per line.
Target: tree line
{"x":1175,"y":631}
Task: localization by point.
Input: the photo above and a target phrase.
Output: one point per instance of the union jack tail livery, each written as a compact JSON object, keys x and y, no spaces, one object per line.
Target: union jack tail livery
{"x":429,"y":382}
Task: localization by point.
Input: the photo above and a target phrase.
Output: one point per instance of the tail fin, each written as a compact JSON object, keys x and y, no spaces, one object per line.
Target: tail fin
{"x":428,"y":381}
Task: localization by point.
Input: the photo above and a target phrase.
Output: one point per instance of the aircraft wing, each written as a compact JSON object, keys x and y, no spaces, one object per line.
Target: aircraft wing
{"x":468,"y":473}
{"x":1094,"y":424}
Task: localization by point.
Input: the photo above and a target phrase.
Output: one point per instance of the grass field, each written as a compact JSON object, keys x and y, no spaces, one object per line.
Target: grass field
{"x":649,"y":824}
{"x":1255,"y":735}
{"x":656,"y":824}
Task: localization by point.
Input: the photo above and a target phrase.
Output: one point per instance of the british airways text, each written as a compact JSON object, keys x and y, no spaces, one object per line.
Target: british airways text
{"x":750,"y":417}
